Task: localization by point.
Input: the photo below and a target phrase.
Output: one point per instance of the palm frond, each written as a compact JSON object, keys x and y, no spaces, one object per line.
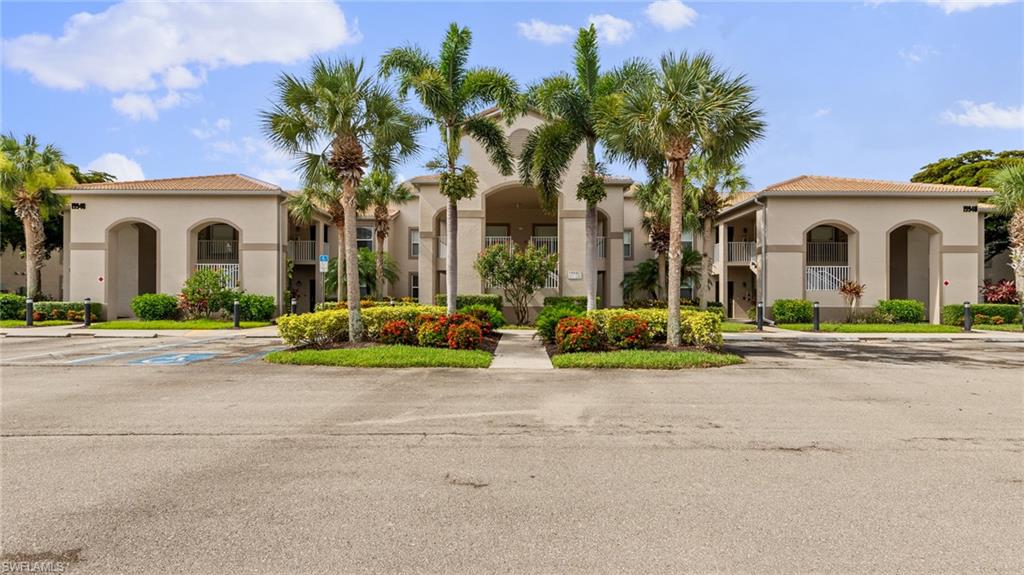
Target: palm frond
{"x":489,"y":134}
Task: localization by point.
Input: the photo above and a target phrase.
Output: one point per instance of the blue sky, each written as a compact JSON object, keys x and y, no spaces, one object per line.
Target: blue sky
{"x":863,"y":89}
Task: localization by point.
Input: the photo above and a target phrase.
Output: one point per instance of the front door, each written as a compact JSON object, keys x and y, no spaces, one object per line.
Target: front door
{"x":731,"y":289}
{"x":601,"y":295}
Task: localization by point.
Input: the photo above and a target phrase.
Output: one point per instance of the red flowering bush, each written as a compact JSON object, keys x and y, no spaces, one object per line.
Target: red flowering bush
{"x":398,"y":332}
{"x":465,"y":335}
{"x":628,"y":331}
{"x":575,"y":334}
{"x":1004,"y":291}
{"x":436,"y":331}
{"x":432,"y":332}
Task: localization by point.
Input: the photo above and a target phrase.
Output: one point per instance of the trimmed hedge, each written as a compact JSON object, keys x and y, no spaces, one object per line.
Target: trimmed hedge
{"x":576,"y":301}
{"x":45,"y":310}
{"x":489,"y":318}
{"x":255,"y":307}
{"x":792,"y":311}
{"x":902,"y":310}
{"x":374,"y":318}
{"x":463,"y":300}
{"x":12,"y":306}
{"x":701,"y":329}
{"x":155,"y":306}
{"x":320,"y":328}
{"x":954,"y":314}
{"x":548,"y":318}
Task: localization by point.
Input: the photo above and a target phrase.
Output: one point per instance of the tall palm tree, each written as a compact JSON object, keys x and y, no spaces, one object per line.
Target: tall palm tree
{"x":689,"y":102}
{"x":28,"y":180}
{"x":569,"y":103}
{"x":713,"y":185}
{"x":453,"y":95}
{"x":652,"y":197}
{"x":1009,"y":200}
{"x":329,"y":121}
{"x":380,"y":190}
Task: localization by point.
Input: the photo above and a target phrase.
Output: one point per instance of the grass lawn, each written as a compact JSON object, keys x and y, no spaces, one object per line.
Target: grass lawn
{"x":1004,"y":327}
{"x":384,"y":356}
{"x":874,"y":327}
{"x":644,"y":359}
{"x":44,"y":323}
{"x":171,"y":324}
{"x":733,"y":327}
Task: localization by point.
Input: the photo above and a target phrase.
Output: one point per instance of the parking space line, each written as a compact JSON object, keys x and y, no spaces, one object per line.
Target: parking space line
{"x":253,"y":356}
{"x":65,"y":351}
{"x":146,"y":349}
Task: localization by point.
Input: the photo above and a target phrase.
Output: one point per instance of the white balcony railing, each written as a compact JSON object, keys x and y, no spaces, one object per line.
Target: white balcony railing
{"x":827,"y":253}
{"x":232,"y":272}
{"x":302,"y":250}
{"x":217,"y":251}
{"x":741,"y":251}
{"x":548,"y":242}
{"x":442,"y":249}
{"x":552,"y":282}
{"x":825,"y":278}
{"x":602,"y":247}
{"x":498,"y":241}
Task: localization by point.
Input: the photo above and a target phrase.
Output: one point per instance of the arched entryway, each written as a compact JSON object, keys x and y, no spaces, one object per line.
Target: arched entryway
{"x":131,"y":265}
{"x":914,"y":252}
{"x":829,"y":253}
{"x":215,"y":245}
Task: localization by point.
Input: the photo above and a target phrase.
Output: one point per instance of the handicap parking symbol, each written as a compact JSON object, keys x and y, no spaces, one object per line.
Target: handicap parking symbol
{"x":173,"y":359}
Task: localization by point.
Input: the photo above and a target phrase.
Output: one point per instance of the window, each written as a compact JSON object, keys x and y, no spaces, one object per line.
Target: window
{"x":326,"y":228}
{"x":686,"y":288}
{"x":497,"y":231}
{"x":545,"y":230}
{"x":414,"y":243}
{"x":627,"y":244}
{"x":414,"y":285}
{"x":364,"y":237}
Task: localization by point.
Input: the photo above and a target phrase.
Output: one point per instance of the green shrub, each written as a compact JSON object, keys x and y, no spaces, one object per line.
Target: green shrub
{"x":464,"y":335}
{"x":488,"y":317}
{"x":62,"y":310}
{"x":628,"y":331}
{"x":463,"y":300}
{"x":433,"y":333}
{"x":711,"y":309}
{"x":576,"y":334}
{"x":204,"y":293}
{"x":374,"y":318}
{"x":255,"y":307}
{"x":954,"y":314}
{"x":12,"y":306}
{"x":548,"y":318}
{"x":576,"y":301}
{"x":317,"y":329}
{"x":902,"y":310}
{"x":697,"y":328}
{"x":366,"y":303}
{"x":792,"y":311}
{"x":398,"y":332}
{"x":154,"y":306}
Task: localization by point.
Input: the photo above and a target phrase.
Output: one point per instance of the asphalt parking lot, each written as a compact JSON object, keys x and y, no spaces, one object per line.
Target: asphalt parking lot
{"x":846,"y":458}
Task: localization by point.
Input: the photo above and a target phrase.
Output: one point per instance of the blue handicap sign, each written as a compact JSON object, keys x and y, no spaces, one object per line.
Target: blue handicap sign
{"x":173,"y":359}
{"x":324,"y":258}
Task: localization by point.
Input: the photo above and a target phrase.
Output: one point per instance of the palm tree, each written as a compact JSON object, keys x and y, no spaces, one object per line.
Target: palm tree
{"x":367,"y":270}
{"x":569,"y":103}
{"x":453,"y":96}
{"x":329,"y":120}
{"x":713,"y":186}
{"x":28,"y":180}
{"x":1009,"y":200}
{"x":380,"y":190}
{"x":690,"y":102}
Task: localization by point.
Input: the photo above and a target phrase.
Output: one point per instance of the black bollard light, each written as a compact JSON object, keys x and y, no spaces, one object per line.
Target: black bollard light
{"x":817,"y":317}
{"x":88,"y":312}
{"x":28,"y":312}
{"x":760,"y":316}
{"x":295,"y":306}
{"x":968,"y":318}
{"x":235,"y":314}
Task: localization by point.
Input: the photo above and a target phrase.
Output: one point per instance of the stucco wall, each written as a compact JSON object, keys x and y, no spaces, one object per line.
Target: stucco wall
{"x":12,"y":273}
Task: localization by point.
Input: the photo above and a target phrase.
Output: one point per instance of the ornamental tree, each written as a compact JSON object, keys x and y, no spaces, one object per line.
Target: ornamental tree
{"x":518,"y":272}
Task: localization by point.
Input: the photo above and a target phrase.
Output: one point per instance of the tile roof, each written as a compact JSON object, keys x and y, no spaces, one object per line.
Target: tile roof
{"x":833,"y":184}
{"x":739,"y":198}
{"x":221,"y":182}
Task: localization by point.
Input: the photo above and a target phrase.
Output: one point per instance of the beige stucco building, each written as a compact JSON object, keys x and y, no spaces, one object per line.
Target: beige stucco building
{"x":797,"y":239}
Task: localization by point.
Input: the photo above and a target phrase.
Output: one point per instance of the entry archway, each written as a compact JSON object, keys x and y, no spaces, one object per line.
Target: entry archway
{"x":914,"y":261}
{"x":131,"y":265}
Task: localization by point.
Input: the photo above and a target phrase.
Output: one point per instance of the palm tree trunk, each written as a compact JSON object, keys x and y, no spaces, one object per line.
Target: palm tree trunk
{"x":339,"y":224}
{"x":1017,"y":250}
{"x":451,"y":270}
{"x":381,"y":289}
{"x":705,"y":262}
{"x":662,"y":276}
{"x":590,"y":254}
{"x":355,"y":320}
{"x":677,"y":174}
{"x":33,"y":225}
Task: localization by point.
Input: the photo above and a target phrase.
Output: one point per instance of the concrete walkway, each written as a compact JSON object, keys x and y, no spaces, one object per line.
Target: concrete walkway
{"x":518,"y":350}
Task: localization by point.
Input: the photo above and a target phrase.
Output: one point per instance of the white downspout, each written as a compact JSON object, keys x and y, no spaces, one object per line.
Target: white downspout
{"x":762,"y":293}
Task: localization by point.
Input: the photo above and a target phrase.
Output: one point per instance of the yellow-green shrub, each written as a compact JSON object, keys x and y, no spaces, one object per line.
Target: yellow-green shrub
{"x":701,"y":329}
{"x":375,"y":318}
{"x":316,"y":329}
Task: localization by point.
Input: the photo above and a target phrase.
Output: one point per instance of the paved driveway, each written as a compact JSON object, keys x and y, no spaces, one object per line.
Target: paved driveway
{"x":809,"y":458}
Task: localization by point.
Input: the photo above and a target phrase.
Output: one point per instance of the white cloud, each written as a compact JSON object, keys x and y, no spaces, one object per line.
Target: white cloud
{"x":207,"y":130}
{"x":952,"y":6}
{"x":670,"y":14}
{"x":257,"y":158}
{"x":822,"y":112}
{"x":134,"y":48}
{"x":986,"y":115}
{"x":918,"y":53}
{"x":611,"y":29}
{"x":544,"y":32}
{"x":121,"y":167}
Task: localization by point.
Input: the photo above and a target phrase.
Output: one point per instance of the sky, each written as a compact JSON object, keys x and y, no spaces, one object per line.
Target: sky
{"x":871,"y":89}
